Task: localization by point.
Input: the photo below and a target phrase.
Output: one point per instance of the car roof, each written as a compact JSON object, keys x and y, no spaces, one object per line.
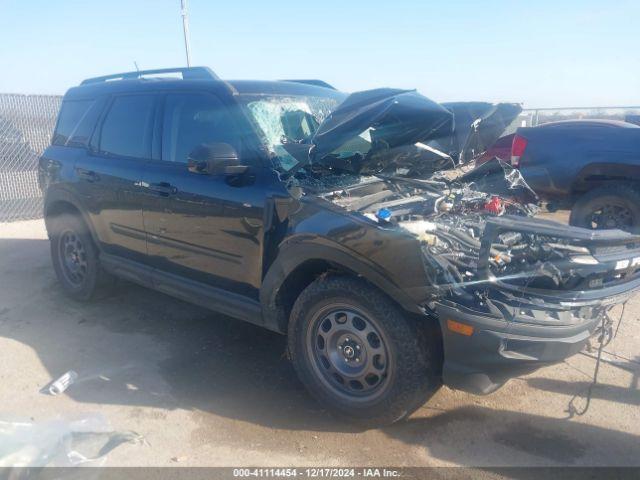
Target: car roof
{"x":195,"y":78}
{"x":282,"y":87}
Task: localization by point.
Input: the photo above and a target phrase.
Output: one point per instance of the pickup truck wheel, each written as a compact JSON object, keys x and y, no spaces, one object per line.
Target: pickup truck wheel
{"x":358,"y":355}
{"x":612,"y":206}
{"x":75,"y":258}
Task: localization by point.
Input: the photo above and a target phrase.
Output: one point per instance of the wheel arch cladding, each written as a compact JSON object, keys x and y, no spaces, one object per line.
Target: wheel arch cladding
{"x":57,"y":208}
{"x":299,"y":264}
{"x":294,"y":283}
{"x":62,"y":202}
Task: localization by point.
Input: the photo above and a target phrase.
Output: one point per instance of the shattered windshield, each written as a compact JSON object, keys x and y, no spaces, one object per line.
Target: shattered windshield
{"x":288,"y":122}
{"x":373,"y":132}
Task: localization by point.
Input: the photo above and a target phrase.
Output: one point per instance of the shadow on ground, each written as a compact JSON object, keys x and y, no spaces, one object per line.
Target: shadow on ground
{"x":612,"y":393}
{"x":141,"y":348}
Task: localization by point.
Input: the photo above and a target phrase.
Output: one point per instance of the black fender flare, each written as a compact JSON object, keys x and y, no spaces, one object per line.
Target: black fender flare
{"x":300,"y":249}
{"x":62,"y":195}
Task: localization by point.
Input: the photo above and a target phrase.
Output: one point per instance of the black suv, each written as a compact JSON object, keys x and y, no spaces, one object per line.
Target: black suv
{"x":331,"y":218}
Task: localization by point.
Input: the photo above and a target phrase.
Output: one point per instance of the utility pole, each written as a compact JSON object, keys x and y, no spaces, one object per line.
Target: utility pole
{"x":185,"y":28}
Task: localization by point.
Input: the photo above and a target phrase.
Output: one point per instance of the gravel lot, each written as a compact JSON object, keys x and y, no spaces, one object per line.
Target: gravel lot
{"x":205,"y":390}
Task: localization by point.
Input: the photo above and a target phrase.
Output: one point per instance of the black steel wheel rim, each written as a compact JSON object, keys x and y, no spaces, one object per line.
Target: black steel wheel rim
{"x":73,"y":258}
{"x":349,"y":352}
{"x":611,"y":216}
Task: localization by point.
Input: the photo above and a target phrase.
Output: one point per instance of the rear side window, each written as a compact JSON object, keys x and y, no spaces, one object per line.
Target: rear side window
{"x":127,"y":127}
{"x":71,"y":115}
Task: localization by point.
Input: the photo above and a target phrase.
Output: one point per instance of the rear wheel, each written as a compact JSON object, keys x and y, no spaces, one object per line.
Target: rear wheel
{"x":358,"y":354}
{"x":611,"y":206}
{"x":75,"y":258}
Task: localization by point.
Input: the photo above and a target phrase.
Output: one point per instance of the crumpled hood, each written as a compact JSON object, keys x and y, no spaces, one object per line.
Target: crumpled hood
{"x":477,"y":127}
{"x":396,"y":117}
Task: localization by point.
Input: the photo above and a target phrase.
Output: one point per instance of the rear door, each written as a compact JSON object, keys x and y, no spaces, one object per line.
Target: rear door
{"x":204,"y":228}
{"x":110,"y":173}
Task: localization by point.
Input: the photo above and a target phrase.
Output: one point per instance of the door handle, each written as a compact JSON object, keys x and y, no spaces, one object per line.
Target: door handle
{"x":51,"y":165}
{"x":88,"y":175}
{"x":163,"y":189}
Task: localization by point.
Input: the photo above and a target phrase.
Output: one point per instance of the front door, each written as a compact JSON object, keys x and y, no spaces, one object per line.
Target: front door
{"x":205,"y":227}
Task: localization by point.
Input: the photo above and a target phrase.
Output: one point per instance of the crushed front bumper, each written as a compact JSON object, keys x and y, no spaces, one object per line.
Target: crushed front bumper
{"x":498,"y":349}
{"x":517,"y":329}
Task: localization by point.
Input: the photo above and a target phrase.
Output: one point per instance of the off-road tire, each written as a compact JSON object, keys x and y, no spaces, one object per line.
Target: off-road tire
{"x":618,"y":195}
{"x":94,"y":280}
{"x":414,"y":353}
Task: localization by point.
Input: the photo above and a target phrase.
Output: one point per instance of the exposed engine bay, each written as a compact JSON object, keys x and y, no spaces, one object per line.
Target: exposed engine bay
{"x":477,"y":237}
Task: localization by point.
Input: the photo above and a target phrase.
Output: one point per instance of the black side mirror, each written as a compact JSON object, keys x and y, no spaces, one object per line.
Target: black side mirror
{"x":215,"y":159}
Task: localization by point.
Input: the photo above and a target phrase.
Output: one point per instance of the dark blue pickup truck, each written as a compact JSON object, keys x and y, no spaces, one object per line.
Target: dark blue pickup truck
{"x":590,"y":166}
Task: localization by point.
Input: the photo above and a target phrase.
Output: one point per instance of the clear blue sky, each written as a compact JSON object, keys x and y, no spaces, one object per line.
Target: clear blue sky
{"x":541,"y":53}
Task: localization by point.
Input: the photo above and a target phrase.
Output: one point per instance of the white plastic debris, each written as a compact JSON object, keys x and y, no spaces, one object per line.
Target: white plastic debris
{"x":62,"y":383}
{"x":83,"y":440}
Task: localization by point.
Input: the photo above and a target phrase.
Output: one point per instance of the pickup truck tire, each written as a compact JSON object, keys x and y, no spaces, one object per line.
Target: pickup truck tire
{"x":359,"y":355}
{"x":75,"y":258}
{"x":611,"y":206}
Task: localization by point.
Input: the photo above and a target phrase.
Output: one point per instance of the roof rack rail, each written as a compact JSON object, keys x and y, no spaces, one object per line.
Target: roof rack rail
{"x":191,"y":73}
{"x":316,"y":83}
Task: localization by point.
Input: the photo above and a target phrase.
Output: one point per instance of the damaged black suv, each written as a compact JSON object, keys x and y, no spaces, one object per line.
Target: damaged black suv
{"x":343,"y":221}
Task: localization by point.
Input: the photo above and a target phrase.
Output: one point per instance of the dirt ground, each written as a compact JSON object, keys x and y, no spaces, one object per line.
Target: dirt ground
{"x":205,"y":390}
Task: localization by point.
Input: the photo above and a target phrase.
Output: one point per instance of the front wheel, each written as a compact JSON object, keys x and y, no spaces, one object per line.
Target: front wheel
{"x":359,"y":355}
{"x":611,"y":206}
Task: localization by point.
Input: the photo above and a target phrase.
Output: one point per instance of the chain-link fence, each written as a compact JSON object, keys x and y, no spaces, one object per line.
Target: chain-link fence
{"x":26,"y":125}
